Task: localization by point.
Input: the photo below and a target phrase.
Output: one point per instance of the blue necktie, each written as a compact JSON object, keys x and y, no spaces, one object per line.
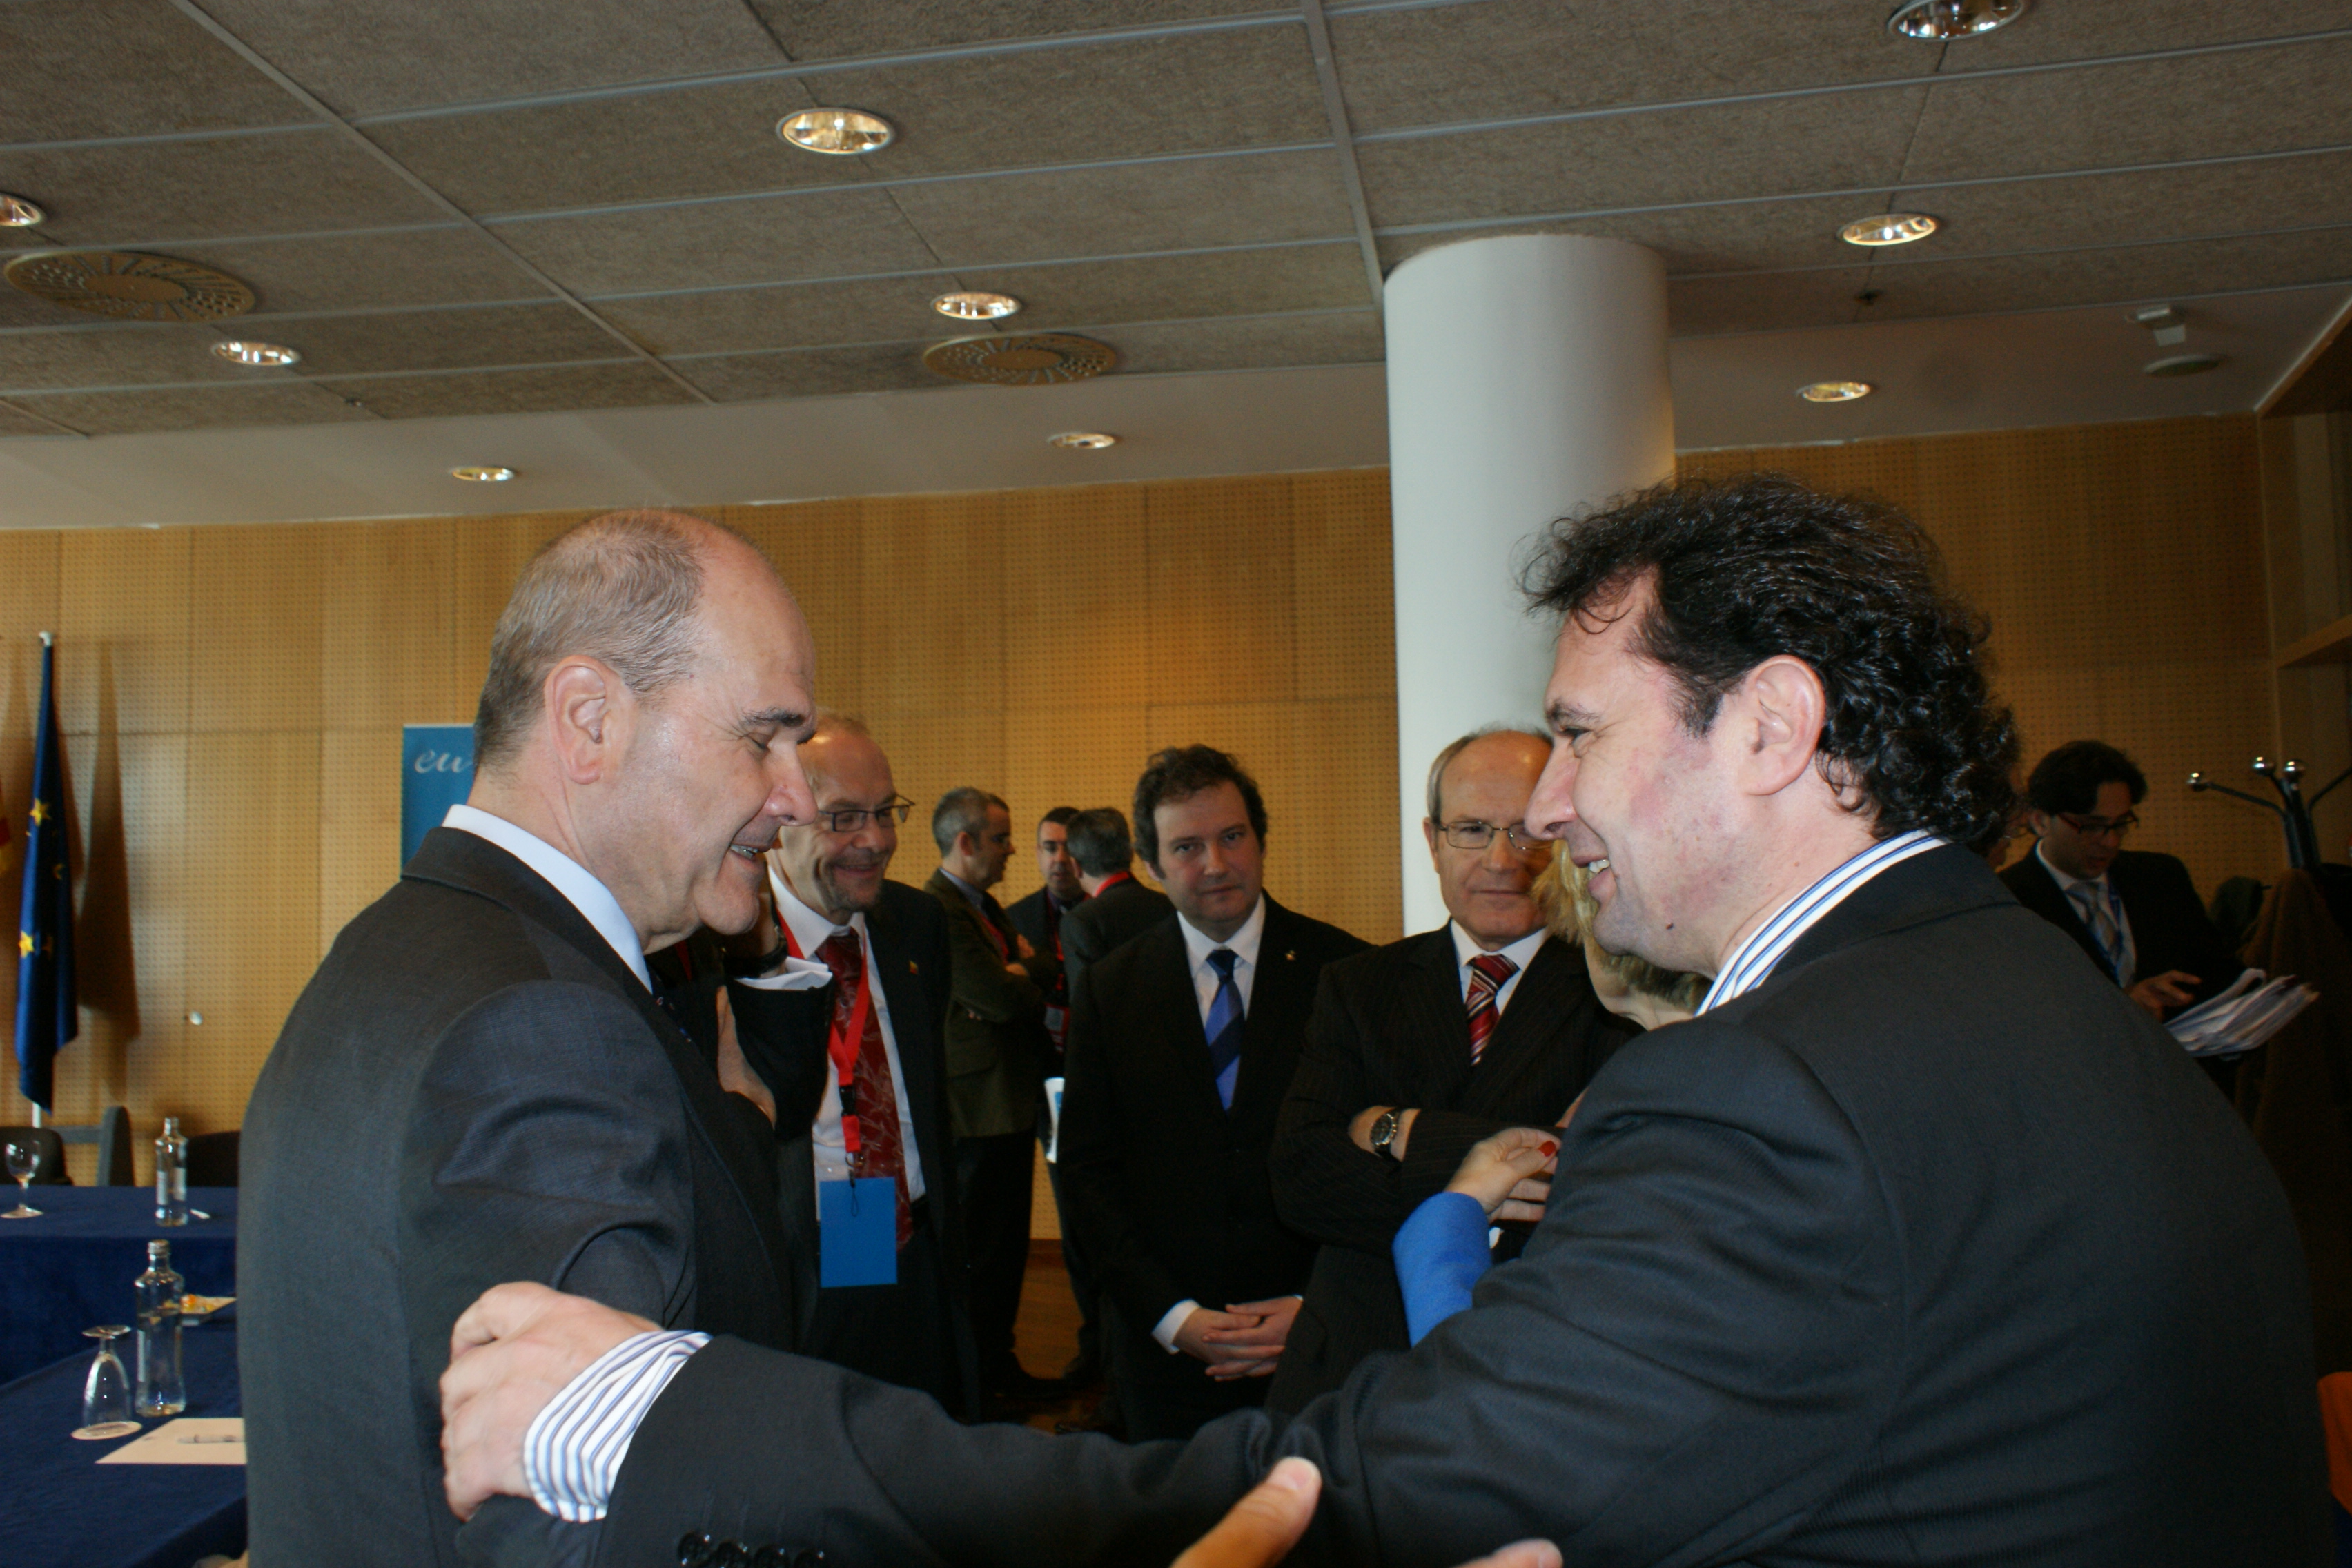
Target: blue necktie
{"x":1223,"y":1026}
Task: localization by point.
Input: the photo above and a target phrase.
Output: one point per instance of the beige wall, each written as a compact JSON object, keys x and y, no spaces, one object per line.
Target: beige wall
{"x":233,"y":697}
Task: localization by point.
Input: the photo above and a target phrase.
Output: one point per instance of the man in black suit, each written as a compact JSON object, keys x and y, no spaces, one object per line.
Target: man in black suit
{"x":478,"y":1084}
{"x":1118,"y":907}
{"x":1919,"y":1243}
{"x":844,"y":1026}
{"x":1038,"y":917}
{"x":1420,"y":1049}
{"x":2135,"y":914}
{"x":1182,"y":1047}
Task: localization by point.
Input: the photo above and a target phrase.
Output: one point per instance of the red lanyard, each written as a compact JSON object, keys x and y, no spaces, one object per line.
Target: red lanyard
{"x":842,"y":1044}
{"x":1113,"y":881}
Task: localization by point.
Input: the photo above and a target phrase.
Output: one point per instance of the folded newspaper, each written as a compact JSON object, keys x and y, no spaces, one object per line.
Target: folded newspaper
{"x":2250,"y":1012}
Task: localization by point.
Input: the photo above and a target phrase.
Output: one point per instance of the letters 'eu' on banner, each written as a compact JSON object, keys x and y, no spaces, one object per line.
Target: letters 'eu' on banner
{"x":436,"y":772}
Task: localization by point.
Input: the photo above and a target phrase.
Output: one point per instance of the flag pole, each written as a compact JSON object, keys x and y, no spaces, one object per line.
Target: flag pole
{"x":47,"y":640}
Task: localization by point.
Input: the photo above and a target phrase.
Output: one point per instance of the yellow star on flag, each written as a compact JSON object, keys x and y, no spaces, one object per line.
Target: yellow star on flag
{"x":23,"y":944}
{"x":40,"y":812}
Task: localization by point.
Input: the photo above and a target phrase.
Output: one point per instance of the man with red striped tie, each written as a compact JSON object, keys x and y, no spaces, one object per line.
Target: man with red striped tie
{"x":1421,"y":1048}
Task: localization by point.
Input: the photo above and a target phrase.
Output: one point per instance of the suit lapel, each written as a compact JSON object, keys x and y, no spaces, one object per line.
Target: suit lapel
{"x":910,"y":1029}
{"x":1431,"y":1002}
{"x":2038,"y":890}
{"x":1280,"y":998}
{"x":1550,"y":1006}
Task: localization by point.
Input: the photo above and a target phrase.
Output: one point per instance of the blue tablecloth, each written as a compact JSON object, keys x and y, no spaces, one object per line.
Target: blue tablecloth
{"x":60,"y":1508}
{"x":73,"y":1267}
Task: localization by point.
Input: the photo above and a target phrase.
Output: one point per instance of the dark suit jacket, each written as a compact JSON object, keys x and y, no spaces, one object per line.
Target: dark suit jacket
{"x":474,"y":1087}
{"x":2170,"y":927}
{"x":1168,"y":1189}
{"x":1029,"y":918}
{"x":1880,"y":1262}
{"x":1117,"y":915}
{"x":996,"y":1025}
{"x":1390,"y":1028}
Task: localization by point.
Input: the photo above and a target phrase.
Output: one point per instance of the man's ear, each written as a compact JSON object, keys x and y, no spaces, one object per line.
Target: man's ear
{"x":1780,"y":708}
{"x":1429,"y":833}
{"x":590,"y":714}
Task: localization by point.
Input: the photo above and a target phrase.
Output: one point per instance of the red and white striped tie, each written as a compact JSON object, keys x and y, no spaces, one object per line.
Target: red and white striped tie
{"x":1488,"y":971}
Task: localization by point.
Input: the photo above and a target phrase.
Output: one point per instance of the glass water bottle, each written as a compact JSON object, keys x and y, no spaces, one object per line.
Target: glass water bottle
{"x":160,"y":1390}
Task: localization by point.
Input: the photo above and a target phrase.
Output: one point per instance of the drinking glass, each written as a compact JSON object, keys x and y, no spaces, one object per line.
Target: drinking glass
{"x":23,"y":1158}
{"x":106,"y":1397}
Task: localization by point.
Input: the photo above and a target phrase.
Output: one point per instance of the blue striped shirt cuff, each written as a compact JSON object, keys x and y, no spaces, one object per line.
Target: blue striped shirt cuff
{"x":572,"y":1455}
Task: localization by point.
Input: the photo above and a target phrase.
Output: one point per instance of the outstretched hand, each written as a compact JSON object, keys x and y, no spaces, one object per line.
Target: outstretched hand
{"x":1510,"y":1173}
{"x":1259,"y":1530}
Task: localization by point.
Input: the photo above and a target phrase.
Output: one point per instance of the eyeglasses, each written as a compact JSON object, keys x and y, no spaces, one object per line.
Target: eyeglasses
{"x":2100,"y":826}
{"x":1479,"y":834}
{"x":849,"y":819}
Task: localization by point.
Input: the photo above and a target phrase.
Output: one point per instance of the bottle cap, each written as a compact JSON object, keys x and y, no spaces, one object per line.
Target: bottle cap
{"x":171,"y":1126}
{"x":159,"y":1252}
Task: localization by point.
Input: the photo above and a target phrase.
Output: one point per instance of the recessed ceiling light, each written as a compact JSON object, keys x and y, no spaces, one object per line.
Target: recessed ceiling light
{"x":841,"y":132}
{"x":244,"y":351}
{"x":2181,"y":365}
{"x":1083,"y":440}
{"x":974,"y":305}
{"x":1888,"y":228}
{"x":482,"y":475}
{"x":1836,"y":391}
{"x":1937,"y":20}
{"x":15,"y":212}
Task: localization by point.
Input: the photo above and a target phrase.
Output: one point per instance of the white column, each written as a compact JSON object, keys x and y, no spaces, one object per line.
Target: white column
{"x":1526,"y":377}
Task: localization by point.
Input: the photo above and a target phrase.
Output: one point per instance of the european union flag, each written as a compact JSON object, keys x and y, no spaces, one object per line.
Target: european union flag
{"x":48,"y":1013}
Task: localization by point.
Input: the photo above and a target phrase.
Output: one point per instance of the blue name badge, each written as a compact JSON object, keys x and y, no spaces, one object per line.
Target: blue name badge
{"x":857,"y":1232}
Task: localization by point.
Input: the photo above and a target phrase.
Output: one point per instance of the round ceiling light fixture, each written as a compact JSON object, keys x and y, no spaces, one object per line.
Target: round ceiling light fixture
{"x":1888,"y":228}
{"x":15,"y":212}
{"x":839,"y":132}
{"x":1083,"y":440}
{"x":1937,"y":21}
{"x":1836,"y":391}
{"x":1026,"y":359}
{"x":976,"y":305}
{"x":244,"y":351}
{"x":482,"y":475}
{"x":2181,"y":365}
{"x":133,"y":286}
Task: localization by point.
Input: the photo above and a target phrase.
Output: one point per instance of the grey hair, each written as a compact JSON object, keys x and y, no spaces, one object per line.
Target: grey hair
{"x":1454,"y":750}
{"x":961,"y":811}
{"x":620,"y":588}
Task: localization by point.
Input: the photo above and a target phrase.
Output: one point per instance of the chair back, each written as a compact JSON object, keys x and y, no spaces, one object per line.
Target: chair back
{"x":110,"y":1136}
{"x":49,"y":1168}
{"x":212,"y":1160}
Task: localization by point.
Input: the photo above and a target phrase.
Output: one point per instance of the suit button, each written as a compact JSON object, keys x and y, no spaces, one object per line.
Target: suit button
{"x":808,"y":1557}
{"x":731,"y":1555}
{"x":772,"y":1557}
{"x":693,"y":1550}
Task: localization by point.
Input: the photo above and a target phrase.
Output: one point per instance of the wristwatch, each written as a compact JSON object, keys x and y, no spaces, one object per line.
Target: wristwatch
{"x":1384,"y":1129}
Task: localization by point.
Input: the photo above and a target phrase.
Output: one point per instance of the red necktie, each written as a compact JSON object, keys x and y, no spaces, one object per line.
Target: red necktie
{"x":1487,"y":972}
{"x":871,"y":1130}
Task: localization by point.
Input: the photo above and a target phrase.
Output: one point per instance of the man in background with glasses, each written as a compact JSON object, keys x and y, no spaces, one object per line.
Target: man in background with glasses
{"x":2135,"y":914}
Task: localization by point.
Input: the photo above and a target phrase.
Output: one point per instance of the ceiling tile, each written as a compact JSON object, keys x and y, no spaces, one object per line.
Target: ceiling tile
{"x":148,"y":193}
{"x":376,"y":55}
{"x":1449,"y":64}
{"x":15,"y":422}
{"x":1171,"y":347}
{"x":1160,"y":288}
{"x":1746,"y":236}
{"x":662,"y":146}
{"x":359,"y":271}
{"x":1846,"y":142}
{"x":444,"y":339}
{"x":2089,"y":32}
{"x":1252,"y":88}
{"x":1764,"y":301}
{"x":2121,"y":273}
{"x":2200,"y":106}
{"x":551,"y":389}
{"x":116,"y":356}
{"x":192,"y":408}
{"x":860,"y":310}
{"x":825,"y":30}
{"x":1188,"y":204}
{"x":814,"y":372}
{"x":768,"y":239}
{"x":124,"y":68}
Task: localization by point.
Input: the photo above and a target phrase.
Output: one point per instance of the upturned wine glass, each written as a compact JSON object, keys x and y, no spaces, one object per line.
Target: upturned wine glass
{"x":23,"y":1158}
{"x":106,"y":1396}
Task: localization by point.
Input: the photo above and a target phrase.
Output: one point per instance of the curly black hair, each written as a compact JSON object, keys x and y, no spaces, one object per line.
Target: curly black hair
{"x":1748,"y":569}
{"x":1180,"y":773}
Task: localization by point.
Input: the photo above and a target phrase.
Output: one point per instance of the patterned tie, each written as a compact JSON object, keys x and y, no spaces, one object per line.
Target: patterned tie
{"x":1223,"y":1026}
{"x":873,"y":1099}
{"x":2102,"y":924}
{"x":1487,"y":972}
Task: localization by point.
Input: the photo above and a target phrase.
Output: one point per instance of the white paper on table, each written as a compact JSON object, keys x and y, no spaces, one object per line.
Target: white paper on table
{"x":190,"y":1440}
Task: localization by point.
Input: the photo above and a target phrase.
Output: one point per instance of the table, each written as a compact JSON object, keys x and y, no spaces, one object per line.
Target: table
{"x":61,"y":1509}
{"x":73,"y":1267}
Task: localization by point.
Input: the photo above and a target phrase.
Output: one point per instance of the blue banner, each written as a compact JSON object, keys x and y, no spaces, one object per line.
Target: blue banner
{"x":436,"y":772}
{"x":47,"y":1014}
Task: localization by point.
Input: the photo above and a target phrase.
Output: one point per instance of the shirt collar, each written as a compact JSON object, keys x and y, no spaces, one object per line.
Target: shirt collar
{"x":809,"y":928}
{"x":1521,"y":952}
{"x":977,"y":899}
{"x":2066,"y":884}
{"x":581,"y":889}
{"x":1753,"y":960}
{"x":1244,"y":942}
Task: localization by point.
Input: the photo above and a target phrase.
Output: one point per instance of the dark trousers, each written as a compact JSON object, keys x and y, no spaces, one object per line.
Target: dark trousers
{"x":908,"y":1333}
{"x":993,"y":1183}
{"x":1164,"y":1395}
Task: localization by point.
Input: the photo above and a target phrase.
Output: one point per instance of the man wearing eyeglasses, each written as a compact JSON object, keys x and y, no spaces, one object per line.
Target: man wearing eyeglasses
{"x":1421,"y":1048}
{"x":2135,"y":914}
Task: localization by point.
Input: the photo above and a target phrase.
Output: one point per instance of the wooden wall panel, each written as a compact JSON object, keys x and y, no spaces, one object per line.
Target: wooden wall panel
{"x":933,"y":586}
{"x":254,"y":627}
{"x":1343,"y":580}
{"x":1218,"y":596}
{"x":388,"y":598}
{"x":123,"y":611}
{"x":816,"y":546}
{"x":358,"y":824}
{"x":1076,"y":623}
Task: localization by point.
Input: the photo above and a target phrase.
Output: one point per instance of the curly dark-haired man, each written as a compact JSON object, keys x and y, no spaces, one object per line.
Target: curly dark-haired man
{"x":1919,"y":1243}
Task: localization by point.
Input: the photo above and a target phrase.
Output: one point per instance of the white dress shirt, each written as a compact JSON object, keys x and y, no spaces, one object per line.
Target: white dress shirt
{"x":1521,"y":952}
{"x":582,"y":891}
{"x":2103,"y":892}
